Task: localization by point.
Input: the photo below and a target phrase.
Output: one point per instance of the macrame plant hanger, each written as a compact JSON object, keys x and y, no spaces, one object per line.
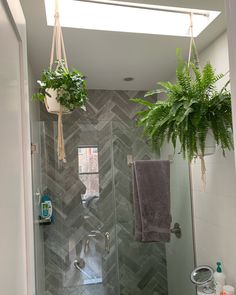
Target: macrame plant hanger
{"x":191,"y":47}
{"x":192,"y":41}
{"x":58,"y":47}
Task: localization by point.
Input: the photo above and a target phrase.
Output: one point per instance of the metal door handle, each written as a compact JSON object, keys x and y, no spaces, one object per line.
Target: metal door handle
{"x":176,"y":230}
{"x":107,"y":242}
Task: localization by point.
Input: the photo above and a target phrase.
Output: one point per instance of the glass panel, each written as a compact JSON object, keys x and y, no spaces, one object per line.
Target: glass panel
{"x":77,"y":261}
{"x":164,"y":259}
{"x":96,"y":198}
{"x":180,"y":252}
{"x":142,"y":266}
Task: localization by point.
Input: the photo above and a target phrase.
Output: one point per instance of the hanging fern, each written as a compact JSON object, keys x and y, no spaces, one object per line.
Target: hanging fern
{"x":193,"y":106}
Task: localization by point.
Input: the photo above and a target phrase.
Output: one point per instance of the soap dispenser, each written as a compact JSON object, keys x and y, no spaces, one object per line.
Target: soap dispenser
{"x":219,"y":278}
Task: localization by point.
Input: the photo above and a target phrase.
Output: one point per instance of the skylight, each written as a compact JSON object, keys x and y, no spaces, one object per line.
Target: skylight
{"x":129,"y":17}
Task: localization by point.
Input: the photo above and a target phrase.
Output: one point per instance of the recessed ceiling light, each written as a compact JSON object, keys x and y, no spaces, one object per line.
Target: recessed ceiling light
{"x":128,"y":79}
{"x":129,"y":17}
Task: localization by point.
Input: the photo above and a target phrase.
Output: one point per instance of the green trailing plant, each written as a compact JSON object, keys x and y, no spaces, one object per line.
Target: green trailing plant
{"x":192,"y":107}
{"x":70,"y":86}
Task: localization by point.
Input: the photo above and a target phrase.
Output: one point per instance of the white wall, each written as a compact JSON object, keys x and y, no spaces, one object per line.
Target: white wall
{"x":16,"y":245}
{"x":12,"y":225}
{"x":215,"y":208}
{"x":231,"y":10}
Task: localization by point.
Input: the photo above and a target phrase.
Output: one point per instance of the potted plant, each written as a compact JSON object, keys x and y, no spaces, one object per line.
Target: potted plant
{"x":61,"y":87}
{"x":192,"y":110}
{"x":62,"y":91}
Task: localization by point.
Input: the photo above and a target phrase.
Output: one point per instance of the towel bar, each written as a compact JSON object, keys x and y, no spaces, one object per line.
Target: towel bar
{"x":130,"y":159}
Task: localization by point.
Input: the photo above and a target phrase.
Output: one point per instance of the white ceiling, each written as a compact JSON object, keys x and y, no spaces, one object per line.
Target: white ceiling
{"x":107,"y":57}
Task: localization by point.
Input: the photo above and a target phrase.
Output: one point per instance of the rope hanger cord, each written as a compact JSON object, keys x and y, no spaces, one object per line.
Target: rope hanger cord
{"x":192,"y":43}
{"x":58,"y":47}
{"x":57,"y":39}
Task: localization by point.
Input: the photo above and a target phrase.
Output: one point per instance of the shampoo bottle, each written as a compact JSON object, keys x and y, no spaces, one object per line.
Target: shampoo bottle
{"x":219,"y":278}
{"x":46,"y":212}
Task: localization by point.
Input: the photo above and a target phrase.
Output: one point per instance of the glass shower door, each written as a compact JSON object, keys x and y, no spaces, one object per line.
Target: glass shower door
{"x":80,"y":246}
{"x":142,"y":266}
{"x":90,"y":247}
{"x":151,"y":268}
{"x":180,"y":251}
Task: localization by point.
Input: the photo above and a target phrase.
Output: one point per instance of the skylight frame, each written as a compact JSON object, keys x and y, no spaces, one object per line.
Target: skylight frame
{"x":129,"y":17}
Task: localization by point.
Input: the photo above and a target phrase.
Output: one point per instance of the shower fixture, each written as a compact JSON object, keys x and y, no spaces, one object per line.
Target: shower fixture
{"x":88,"y":200}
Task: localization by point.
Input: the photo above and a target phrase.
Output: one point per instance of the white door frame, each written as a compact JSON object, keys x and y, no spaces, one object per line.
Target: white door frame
{"x":16,"y":16}
{"x":231,"y":25}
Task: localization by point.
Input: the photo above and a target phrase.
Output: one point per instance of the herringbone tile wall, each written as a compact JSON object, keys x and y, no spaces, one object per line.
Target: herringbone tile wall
{"x":130,"y":267}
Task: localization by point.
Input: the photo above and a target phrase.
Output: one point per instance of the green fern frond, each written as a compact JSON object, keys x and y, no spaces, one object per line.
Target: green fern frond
{"x":193,"y":106}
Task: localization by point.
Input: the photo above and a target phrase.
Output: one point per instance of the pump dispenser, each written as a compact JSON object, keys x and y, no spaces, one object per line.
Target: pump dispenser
{"x":219,"y":278}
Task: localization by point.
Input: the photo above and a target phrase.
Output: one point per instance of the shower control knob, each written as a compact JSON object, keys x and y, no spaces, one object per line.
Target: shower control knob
{"x":79,"y":264}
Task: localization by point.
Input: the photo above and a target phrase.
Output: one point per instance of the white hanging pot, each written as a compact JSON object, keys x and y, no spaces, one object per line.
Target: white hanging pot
{"x":51,"y":103}
{"x":210,"y":145}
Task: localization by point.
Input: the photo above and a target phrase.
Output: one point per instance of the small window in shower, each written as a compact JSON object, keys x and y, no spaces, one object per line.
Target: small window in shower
{"x":89,"y":173}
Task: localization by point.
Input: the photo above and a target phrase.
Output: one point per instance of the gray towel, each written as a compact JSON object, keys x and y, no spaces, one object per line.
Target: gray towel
{"x":151,"y":193}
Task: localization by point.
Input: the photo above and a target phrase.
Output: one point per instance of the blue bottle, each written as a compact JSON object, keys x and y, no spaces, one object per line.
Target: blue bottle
{"x":46,"y":212}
